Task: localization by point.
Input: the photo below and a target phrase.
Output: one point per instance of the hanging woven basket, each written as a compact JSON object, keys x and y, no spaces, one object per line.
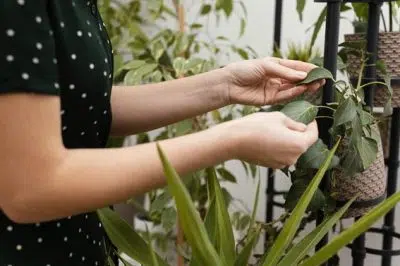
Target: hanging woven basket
{"x":389,"y":53}
{"x":370,"y":185}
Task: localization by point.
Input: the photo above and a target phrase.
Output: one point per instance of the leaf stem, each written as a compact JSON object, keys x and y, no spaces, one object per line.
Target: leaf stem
{"x":323,"y":116}
{"x":326,"y":107}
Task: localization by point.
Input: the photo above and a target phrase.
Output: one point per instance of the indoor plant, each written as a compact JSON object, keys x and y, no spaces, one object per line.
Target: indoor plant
{"x":213,"y":243}
{"x":359,"y":168}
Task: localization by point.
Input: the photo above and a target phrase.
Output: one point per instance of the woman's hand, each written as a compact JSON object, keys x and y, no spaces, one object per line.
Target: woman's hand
{"x":268,"y":139}
{"x":267,"y":81}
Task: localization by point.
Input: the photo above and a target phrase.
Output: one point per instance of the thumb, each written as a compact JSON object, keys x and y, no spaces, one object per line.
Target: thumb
{"x":311,"y":133}
{"x":293,"y":125}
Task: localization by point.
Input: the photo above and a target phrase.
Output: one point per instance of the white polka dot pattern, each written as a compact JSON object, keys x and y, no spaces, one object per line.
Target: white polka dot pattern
{"x":68,"y":54}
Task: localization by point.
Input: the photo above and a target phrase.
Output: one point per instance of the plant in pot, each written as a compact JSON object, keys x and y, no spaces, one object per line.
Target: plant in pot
{"x":213,"y":242}
{"x":358,"y":170}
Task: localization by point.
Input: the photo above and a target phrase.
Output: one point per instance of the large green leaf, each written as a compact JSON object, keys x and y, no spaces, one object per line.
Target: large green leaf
{"x":368,"y":150}
{"x":345,"y":112}
{"x":292,"y":224}
{"x":359,"y":227}
{"x":125,"y":239}
{"x":300,"y":111}
{"x":192,"y":226}
{"x":300,"y":8}
{"x":315,"y":74}
{"x":315,"y":156}
{"x":301,"y":249}
{"x":224,"y":231}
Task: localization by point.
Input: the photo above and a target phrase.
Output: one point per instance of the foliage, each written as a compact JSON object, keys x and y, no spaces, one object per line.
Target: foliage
{"x":351,"y":120}
{"x":208,"y":241}
{"x":300,"y":52}
{"x":156,"y":41}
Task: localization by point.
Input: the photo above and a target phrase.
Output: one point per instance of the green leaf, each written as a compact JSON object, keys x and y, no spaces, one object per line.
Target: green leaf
{"x":315,"y":156}
{"x":300,"y":8}
{"x":193,"y":228}
{"x":134,"y":64}
{"x":300,"y":111}
{"x":359,"y":227}
{"x":242,"y":27}
{"x":224,"y":226}
{"x":168,"y":219}
{"x":366,"y":118}
{"x":315,"y":74}
{"x":225,"y":174}
{"x":301,"y":249}
{"x":297,"y":189}
{"x":255,"y":205}
{"x":132,"y":78}
{"x":179,"y":65}
{"x":290,"y":227}
{"x":317,"y":26}
{"x":157,"y":49}
{"x":351,"y":162}
{"x":125,"y":239}
{"x":160,"y":202}
{"x":205,"y":9}
{"x":368,"y":150}
{"x":244,"y":255}
{"x":345,"y":112}
{"x":196,"y":26}
{"x":226,"y":5}
{"x":388,"y":109}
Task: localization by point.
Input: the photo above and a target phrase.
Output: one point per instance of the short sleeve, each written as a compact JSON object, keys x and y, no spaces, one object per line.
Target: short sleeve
{"x":28,"y":61}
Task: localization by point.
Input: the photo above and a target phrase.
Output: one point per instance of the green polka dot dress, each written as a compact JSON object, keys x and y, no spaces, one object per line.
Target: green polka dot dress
{"x":59,"y":48}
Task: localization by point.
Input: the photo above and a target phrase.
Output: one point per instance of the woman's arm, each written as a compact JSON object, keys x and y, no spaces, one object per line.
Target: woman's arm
{"x":41,"y":180}
{"x":146,"y":107}
{"x":253,"y":82}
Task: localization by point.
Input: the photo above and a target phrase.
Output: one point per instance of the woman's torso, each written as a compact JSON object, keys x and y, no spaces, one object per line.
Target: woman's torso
{"x":68,"y":40}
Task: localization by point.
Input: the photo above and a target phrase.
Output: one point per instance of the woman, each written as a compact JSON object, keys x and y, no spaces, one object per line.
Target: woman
{"x":58,"y":107}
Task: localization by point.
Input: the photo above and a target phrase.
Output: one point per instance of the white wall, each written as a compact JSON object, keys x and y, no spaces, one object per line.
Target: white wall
{"x":259,"y":35}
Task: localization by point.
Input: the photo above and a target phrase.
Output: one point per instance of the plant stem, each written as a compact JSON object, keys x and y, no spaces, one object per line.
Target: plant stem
{"x":323,"y":116}
{"x":326,"y":107}
{"x":370,"y":83}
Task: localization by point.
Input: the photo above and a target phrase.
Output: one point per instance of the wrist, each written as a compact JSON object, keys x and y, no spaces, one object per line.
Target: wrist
{"x":219,"y":85}
{"x":225,"y":139}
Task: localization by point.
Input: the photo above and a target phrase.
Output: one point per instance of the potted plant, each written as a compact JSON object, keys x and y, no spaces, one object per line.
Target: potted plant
{"x":358,"y":170}
{"x":213,"y":242}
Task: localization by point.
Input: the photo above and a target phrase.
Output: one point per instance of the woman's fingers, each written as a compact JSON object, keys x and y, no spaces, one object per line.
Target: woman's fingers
{"x":294,"y":64}
{"x":288,"y":93}
{"x":274,"y":69}
{"x":294,"y":125}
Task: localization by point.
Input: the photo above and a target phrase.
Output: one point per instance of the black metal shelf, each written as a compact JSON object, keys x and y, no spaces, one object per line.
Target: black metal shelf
{"x":359,"y":251}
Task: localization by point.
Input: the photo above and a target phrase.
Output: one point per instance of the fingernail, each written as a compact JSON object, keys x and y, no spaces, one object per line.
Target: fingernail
{"x":301,"y":74}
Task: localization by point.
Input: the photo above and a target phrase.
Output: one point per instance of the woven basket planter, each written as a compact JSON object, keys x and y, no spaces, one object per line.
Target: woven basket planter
{"x":388,"y":52}
{"x":370,"y":185}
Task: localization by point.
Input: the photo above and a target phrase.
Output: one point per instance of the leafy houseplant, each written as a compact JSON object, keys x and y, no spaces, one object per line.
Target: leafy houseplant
{"x":358,"y":170}
{"x":213,"y":243}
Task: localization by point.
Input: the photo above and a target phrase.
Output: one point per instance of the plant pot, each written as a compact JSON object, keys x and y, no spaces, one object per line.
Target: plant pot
{"x":389,"y":53}
{"x":370,"y":185}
